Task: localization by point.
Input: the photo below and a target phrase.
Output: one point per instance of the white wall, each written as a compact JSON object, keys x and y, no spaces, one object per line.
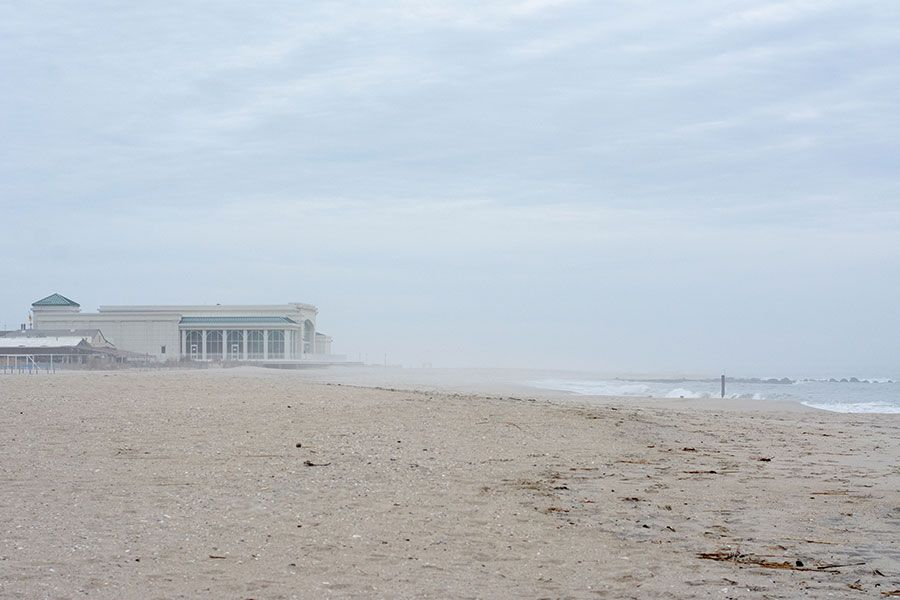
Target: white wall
{"x":143,"y":334}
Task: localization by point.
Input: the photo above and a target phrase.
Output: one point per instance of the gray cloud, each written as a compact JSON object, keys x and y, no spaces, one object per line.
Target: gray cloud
{"x":627,"y":184}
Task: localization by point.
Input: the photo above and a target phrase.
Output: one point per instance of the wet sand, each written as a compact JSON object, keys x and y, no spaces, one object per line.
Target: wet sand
{"x":191,"y":484}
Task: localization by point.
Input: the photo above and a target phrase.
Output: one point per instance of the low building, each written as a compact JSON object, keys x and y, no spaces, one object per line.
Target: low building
{"x":94,"y":337}
{"x":19,"y":349}
{"x":42,"y":345}
{"x":276,"y":332}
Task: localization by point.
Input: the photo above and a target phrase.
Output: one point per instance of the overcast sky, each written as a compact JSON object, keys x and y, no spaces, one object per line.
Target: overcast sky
{"x":639,"y":185}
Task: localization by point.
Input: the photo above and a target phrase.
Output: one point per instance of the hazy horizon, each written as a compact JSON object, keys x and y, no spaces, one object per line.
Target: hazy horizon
{"x":627,"y":187}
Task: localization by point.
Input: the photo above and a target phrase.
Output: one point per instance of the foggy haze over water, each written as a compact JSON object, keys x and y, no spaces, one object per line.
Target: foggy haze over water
{"x":619,"y":187}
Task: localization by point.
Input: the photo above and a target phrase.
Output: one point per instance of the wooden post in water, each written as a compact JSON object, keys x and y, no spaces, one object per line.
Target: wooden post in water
{"x":723,"y":385}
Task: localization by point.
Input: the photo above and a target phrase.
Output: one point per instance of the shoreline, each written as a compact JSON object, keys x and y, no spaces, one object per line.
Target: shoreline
{"x":569,"y":399}
{"x":491,"y":382}
{"x":352,"y":378}
{"x":501,"y":382}
{"x":527,"y":392}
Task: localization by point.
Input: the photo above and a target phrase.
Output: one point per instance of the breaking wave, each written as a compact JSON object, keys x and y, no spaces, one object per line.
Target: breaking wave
{"x":856,"y":407}
{"x":626,"y":388}
{"x":683,"y":393}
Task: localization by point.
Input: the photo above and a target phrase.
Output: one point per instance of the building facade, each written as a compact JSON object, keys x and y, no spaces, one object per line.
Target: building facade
{"x":278,"y":332}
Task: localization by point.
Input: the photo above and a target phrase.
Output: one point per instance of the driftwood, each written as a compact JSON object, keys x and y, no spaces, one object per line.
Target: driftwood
{"x":759,"y":561}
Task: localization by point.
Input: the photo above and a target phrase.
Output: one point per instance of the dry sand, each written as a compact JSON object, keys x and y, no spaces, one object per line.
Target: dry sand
{"x":191,"y":485}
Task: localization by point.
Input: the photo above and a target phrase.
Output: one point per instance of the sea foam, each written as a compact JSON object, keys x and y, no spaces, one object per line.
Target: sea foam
{"x":856,"y":407}
{"x":593,"y":388}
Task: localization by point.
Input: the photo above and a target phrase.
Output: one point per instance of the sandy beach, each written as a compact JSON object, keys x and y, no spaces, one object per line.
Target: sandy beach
{"x":251,"y":483}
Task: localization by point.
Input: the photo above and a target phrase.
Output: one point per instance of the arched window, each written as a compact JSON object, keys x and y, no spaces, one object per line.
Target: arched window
{"x":234,"y":349}
{"x":255,"y":344}
{"x":276,"y":344}
{"x":193,"y":345}
{"x":214,"y":345}
{"x":309,"y":337}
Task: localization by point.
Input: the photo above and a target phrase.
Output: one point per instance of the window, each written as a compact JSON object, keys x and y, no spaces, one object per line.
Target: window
{"x":214,"y":344}
{"x":235,"y":346}
{"x":193,"y":341}
{"x":276,"y":344}
{"x":309,"y":337}
{"x":162,"y":349}
{"x":255,"y":344}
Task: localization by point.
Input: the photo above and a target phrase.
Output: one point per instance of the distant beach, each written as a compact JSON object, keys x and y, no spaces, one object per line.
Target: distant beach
{"x":845,"y":394}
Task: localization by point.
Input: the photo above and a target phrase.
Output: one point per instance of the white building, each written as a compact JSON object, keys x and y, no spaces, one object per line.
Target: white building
{"x":277,"y":332}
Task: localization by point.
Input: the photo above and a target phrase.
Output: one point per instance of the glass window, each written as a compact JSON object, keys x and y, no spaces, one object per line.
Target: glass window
{"x":214,"y":345}
{"x":235,"y":346}
{"x":193,"y":345}
{"x":255,"y":344}
{"x":276,"y":344}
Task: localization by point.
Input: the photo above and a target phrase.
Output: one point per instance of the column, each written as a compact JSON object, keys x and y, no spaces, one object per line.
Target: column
{"x":265,"y":344}
{"x":184,"y":351}
{"x":244,"y":339}
{"x":225,"y":348}
{"x":203,"y":345}
{"x":287,"y":344}
{"x":302,"y":338}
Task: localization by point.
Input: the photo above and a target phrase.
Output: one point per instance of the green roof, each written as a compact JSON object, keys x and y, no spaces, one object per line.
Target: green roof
{"x":236,"y":320}
{"x":55,"y":300}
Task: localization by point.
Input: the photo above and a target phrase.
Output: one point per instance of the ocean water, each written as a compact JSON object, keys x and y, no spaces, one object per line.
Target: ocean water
{"x":875,"y":395}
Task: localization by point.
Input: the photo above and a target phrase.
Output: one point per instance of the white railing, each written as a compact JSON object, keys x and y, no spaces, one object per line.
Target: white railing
{"x":28,"y":363}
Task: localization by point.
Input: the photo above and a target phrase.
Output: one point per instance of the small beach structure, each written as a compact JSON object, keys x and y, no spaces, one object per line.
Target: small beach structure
{"x":37,"y":349}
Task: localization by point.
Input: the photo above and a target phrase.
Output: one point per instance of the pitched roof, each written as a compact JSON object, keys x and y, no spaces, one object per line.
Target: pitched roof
{"x":94,"y":337}
{"x":47,"y":342}
{"x":51,"y":333}
{"x":55,"y":300}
